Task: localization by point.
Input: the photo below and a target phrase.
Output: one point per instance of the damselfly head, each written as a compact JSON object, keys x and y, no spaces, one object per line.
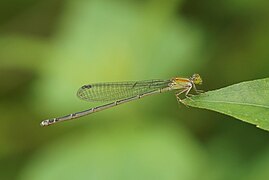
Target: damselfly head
{"x":196,"y":79}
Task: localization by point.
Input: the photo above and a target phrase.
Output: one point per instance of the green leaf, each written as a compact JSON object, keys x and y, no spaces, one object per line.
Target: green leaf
{"x":247,"y":101}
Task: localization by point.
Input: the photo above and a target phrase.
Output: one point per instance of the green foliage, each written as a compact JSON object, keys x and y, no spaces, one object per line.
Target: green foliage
{"x":247,"y":101}
{"x":50,"y":48}
{"x":153,"y":154}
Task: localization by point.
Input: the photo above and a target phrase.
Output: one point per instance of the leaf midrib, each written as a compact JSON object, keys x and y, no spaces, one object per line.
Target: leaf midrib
{"x":235,"y":103}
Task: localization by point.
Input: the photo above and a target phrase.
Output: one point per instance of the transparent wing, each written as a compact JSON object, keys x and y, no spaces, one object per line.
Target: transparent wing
{"x":119,"y":90}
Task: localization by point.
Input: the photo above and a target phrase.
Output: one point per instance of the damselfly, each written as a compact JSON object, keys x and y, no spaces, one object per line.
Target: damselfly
{"x":122,"y":92}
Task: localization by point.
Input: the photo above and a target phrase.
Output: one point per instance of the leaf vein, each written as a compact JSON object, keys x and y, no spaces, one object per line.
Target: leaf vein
{"x":236,"y":103}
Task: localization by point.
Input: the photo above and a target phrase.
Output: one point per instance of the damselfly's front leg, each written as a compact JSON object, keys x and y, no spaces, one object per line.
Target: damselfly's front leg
{"x":198,"y":91}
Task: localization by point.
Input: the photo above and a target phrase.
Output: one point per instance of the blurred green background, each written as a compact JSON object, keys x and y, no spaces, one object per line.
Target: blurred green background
{"x":48,"y":49}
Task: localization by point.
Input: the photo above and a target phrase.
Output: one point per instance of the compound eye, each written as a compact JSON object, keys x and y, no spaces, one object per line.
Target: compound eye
{"x":197,"y":79}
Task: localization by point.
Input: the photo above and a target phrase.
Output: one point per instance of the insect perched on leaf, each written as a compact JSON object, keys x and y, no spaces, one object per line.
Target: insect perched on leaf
{"x":122,"y":92}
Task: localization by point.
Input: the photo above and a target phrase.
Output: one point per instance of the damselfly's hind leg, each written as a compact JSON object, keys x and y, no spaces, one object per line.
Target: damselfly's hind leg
{"x":179,"y":100}
{"x":189,"y":97}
